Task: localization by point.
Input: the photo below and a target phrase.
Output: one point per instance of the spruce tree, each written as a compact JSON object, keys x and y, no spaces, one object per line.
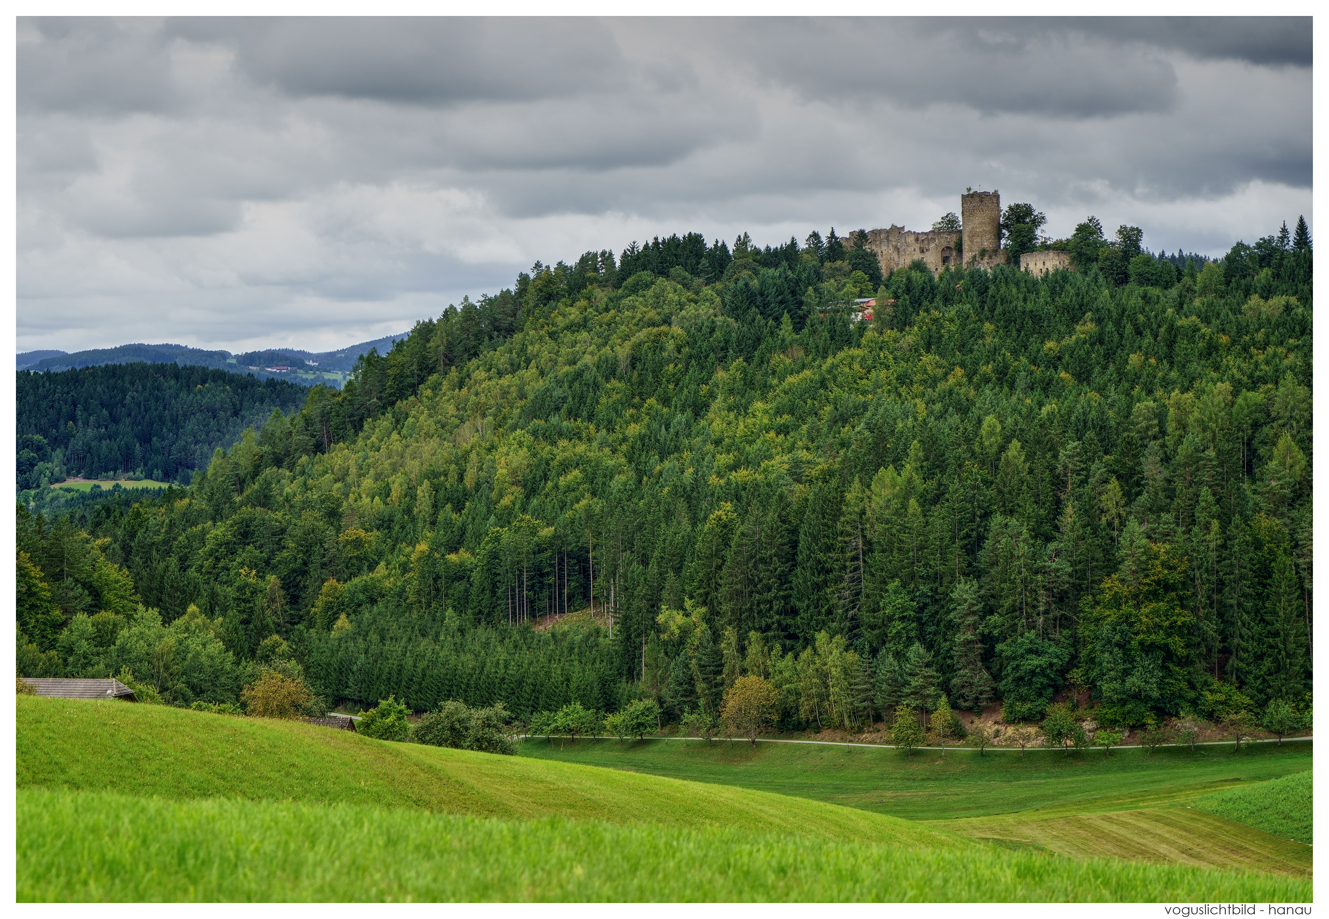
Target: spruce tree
{"x":971,"y":686}
{"x":888,"y":681}
{"x":1301,"y":236}
{"x":921,"y":691}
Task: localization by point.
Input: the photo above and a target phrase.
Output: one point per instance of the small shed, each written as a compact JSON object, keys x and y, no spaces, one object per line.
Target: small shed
{"x":61,"y":688}
{"x":340,"y":722}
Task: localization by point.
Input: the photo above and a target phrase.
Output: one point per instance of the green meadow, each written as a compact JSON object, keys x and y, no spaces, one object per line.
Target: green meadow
{"x":122,"y":802}
{"x":108,"y":484}
{"x":1131,"y":804}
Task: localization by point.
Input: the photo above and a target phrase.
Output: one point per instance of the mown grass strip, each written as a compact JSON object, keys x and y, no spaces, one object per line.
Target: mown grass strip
{"x":1281,"y":807}
{"x":82,"y":846}
{"x":1176,"y":834}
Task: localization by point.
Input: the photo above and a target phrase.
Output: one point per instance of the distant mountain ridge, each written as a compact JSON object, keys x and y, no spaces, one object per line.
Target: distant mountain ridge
{"x":307,"y":367}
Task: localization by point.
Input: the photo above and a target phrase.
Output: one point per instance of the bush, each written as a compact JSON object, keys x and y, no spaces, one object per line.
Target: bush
{"x":25,"y":689}
{"x":457,"y":726}
{"x":386,"y":722}
{"x":273,"y":695}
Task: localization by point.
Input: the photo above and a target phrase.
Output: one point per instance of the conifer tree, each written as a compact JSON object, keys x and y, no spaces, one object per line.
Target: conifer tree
{"x":971,"y":686}
{"x":921,"y":690}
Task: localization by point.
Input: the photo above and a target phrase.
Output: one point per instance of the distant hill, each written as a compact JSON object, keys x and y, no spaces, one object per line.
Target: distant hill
{"x":28,"y":358}
{"x":156,"y":420}
{"x":305,"y":367}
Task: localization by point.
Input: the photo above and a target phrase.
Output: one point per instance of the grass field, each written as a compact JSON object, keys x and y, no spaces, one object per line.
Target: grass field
{"x":1129,"y":805}
{"x":929,"y":786}
{"x":98,"y":847}
{"x":1281,"y":807}
{"x":107,"y":484}
{"x":122,"y":802}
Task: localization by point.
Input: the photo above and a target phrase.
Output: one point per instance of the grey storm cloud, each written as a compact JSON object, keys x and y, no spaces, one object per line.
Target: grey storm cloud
{"x":321,"y":181}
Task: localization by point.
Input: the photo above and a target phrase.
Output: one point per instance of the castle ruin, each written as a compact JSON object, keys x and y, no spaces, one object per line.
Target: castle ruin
{"x":1045,"y":261}
{"x":980,"y":216}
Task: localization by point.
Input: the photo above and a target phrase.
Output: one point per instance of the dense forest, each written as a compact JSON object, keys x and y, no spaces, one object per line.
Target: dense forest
{"x":1000,"y":487}
{"x":159,"y":421}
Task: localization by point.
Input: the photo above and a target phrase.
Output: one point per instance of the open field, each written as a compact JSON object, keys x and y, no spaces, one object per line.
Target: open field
{"x":133,"y":802}
{"x":83,"y":485}
{"x":1129,"y":805}
{"x":86,"y":846}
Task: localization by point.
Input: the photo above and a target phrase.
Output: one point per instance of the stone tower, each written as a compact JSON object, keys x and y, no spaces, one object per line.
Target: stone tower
{"x":980,"y":214}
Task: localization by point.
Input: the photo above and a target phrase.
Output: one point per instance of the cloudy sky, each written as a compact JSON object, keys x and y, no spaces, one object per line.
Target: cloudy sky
{"x":314,"y":183}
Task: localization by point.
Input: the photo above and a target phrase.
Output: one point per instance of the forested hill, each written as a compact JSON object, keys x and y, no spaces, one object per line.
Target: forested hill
{"x":999,"y":487}
{"x":159,"y":421}
{"x":305,"y":367}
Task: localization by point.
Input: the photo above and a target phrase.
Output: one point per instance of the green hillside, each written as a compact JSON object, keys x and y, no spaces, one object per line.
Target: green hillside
{"x":118,"y":802}
{"x":170,"y":753}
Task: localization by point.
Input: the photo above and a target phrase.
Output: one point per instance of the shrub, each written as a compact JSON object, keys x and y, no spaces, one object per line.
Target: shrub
{"x":450,"y":726}
{"x":489,"y":731}
{"x":25,"y":689}
{"x":273,"y":695}
{"x":386,"y":722}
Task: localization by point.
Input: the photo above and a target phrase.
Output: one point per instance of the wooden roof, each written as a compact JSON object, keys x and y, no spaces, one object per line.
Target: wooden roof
{"x":62,"y":688}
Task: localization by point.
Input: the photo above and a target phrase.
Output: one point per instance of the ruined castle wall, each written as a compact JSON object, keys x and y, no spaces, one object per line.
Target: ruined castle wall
{"x":1044,"y":262}
{"x":980,"y":214}
{"x":897,"y":247}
